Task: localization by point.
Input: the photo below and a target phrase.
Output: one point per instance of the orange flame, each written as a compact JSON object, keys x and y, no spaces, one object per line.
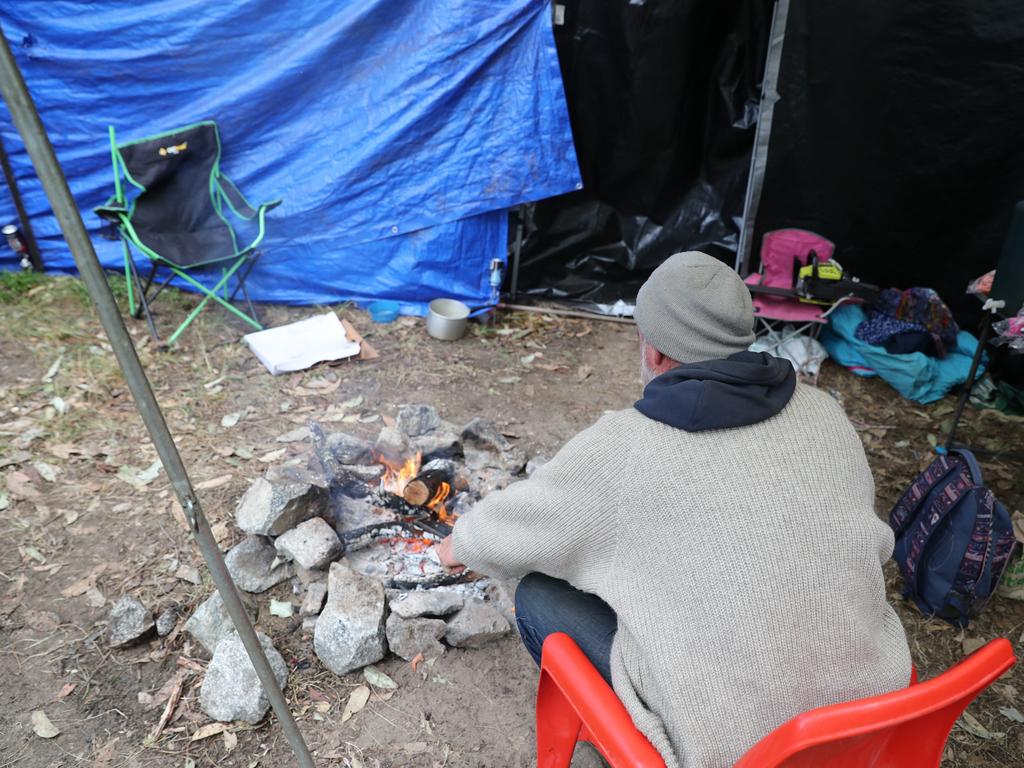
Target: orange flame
{"x":396,"y":476}
{"x":436,"y":503}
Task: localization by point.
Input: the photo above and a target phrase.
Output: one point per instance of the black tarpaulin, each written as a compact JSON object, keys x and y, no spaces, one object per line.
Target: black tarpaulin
{"x":899,"y":135}
{"x":663,"y":98}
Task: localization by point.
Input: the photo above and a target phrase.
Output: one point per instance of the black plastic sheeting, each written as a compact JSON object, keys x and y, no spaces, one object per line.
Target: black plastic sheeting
{"x":663,"y":98}
{"x":899,"y":135}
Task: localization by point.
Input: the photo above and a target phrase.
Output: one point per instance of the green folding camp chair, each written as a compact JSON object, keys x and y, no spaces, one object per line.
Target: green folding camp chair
{"x":180,"y":219}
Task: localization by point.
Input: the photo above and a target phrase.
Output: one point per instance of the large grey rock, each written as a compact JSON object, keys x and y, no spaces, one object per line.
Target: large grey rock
{"x":416,"y":420}
{"x":409,"y":638}
{"x":502,"y":595}
{"x":313,"y":601}
{"x":231,"y":690}
{"x":210,"y":623}
{"x":130,"y":621}
{"x":361,"y":473}
{"x":440,"y":444}
{"x":392,"y":443}
{"x":482,"y":433}
{"x":350,"y":632}
{"x":251,"y":565}
{"x":485,"y":447}
{"x":477,"y":624}
{"x":284,"y":497}
{"x":349,"y":449}
{"x":431,"y":602}
{"x":312,"y":544}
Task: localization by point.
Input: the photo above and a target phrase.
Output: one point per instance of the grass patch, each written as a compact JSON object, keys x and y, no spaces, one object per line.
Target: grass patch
{"x":15,"y":285}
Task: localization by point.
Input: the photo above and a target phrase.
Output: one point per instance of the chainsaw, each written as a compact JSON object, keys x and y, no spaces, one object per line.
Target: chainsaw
{"x":821,"y":283}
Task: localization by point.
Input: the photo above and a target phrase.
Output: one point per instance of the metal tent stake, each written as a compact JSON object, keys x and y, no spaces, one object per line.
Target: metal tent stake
{"x":26,"y":120}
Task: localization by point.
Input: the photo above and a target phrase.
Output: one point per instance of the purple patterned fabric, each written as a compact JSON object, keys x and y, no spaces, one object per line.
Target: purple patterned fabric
{"x":913,"y":310}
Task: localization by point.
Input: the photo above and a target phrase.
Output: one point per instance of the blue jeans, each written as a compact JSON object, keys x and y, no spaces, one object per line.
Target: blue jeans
{"x":545,"y":605}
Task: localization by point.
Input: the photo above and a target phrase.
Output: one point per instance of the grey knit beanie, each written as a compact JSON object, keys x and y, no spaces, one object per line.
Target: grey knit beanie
{"x":694,"y":308}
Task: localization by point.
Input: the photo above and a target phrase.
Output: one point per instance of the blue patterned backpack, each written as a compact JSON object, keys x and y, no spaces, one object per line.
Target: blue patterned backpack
{"x":953,"y":539}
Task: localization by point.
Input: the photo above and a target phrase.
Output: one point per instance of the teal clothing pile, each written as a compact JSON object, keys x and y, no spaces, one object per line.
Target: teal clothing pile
{"x":916,"y":376}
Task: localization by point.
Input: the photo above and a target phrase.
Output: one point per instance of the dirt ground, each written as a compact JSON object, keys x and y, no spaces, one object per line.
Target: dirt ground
{"x":86,"y":519}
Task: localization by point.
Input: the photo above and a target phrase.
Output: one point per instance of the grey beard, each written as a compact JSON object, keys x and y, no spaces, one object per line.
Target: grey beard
{"x":646,"y":374}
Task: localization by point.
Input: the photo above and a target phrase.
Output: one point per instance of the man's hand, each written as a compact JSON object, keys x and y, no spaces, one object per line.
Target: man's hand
{"x":446,"y":554}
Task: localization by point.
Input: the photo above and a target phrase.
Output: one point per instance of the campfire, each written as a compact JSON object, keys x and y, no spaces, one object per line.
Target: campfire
{"x":427,"y":488}
{"x":392,"y":500}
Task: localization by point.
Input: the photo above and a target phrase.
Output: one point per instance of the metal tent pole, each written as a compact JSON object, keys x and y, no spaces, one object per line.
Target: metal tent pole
{"x":26,"y":120}
{"x":19,"y":207}
{"x":759,"y":154}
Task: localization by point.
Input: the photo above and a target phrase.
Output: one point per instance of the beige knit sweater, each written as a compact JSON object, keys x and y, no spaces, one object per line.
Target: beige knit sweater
{"x":745,"y":566}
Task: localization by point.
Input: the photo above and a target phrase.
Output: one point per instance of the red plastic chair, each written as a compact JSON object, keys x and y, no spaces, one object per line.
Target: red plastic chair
{"x":902,"y":729}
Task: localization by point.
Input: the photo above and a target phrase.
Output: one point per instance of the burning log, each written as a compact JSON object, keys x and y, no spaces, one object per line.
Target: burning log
{"x":431,"y":485}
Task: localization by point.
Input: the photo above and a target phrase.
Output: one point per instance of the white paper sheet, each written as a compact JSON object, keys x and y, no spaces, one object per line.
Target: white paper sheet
{"x":297,"y":346}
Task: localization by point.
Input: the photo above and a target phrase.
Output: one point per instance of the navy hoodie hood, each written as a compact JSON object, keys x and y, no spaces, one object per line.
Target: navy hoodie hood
{"x":742,"y":389}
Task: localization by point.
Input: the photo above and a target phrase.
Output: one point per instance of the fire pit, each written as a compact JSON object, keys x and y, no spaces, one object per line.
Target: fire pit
{"x":393,"y":500}
{"x":352,"y":533}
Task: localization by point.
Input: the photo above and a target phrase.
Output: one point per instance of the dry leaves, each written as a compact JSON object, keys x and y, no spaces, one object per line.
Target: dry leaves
{"x":378,"y":679}
{"x":84,"y":584}
{"x":356,"y":701}
{"x":42,"y":726}
{"x":972,"y":725}
{"x":971,"y":644}
{"x":215,"y":482}
{"x":211,"y":729}
{"x":66,"y":690}
{"x":19,"y":485}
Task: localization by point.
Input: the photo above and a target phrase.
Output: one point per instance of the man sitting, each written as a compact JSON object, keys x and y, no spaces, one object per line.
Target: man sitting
{"x":714,"y":550}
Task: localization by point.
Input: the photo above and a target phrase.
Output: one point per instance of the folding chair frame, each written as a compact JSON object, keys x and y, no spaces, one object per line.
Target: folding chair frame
{"x":766,"y":326}
{"x":241,"y":262}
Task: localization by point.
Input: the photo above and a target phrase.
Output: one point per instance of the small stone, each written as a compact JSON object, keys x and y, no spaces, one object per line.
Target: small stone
{"x":251,"y":565}
{"x":477,"y":624}
{"x":502,"y":595}
{"x":231,"y":690}
{"x":313,"y":602}
{"x":284,"y":497}
{"x":392,"y":443}
{"x":130,"y":622}
{"x":409,"y":638}
{"x":350,"y":631}
{"x":536,"y":463}
{"x":430,"y":602}
{"x":309,"y":624}
{"x":312,"y":544}
{"x":167,"y":621}
{"x":210,"y":623}
{"x":349,"y":449}
{"x":416,"y":420}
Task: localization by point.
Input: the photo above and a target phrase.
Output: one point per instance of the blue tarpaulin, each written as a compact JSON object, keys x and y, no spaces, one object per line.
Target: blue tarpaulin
{"x":397,"y":133}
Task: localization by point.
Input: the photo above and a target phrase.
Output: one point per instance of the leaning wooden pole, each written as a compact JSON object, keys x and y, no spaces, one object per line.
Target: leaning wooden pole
{"x":26,"y":120}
